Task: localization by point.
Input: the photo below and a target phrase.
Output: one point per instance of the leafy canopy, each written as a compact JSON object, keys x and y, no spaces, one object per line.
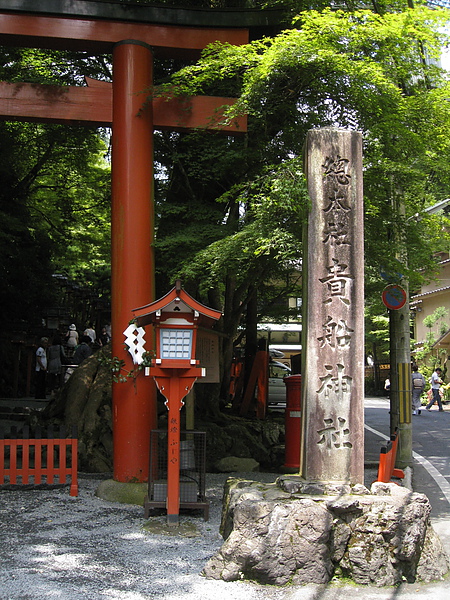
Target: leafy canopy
{"x":362,"y":70}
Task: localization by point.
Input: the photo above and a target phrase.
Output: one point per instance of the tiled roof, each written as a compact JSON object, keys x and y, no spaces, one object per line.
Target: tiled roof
{"x":442,"y":289}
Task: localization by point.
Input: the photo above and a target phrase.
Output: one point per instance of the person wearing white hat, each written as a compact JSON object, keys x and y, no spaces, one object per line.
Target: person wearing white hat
{"x":71,"y":339}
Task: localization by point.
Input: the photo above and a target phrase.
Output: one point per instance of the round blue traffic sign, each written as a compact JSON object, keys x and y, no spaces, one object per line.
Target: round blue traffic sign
{"x":394,"y":297}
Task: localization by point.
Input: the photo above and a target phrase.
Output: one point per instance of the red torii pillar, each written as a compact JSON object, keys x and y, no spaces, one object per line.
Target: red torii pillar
{"x":134,"y":403}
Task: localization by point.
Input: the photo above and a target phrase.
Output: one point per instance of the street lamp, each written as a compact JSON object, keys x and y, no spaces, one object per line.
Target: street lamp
{"x":176,"y":318}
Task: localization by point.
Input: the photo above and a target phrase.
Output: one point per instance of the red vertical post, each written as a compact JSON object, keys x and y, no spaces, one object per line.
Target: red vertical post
{"x":13,"y":461}
{"x":293,"y":421}
{"x":26,"y":460}
{"x":173,"y":454}
{"x":134,"y":405}
{"x":74,"y":468}
{"x":38,"y":461}
{"x":174,"y":384}
{"x":2,"y":461}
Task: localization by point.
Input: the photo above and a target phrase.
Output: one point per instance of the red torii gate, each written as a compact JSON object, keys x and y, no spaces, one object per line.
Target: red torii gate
{"x":88,"y":26}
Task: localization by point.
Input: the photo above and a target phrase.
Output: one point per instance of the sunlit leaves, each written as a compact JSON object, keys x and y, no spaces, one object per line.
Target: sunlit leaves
{"x":268,"y":242}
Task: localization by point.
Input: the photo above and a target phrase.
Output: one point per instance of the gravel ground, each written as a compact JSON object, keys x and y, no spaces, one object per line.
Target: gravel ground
{"x":58,"y":547}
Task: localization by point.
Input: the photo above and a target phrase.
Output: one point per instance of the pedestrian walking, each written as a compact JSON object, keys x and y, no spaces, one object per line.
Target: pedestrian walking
{"x":436,"y":383}
{"x":418,"y":385}
{"x":41,"y":370}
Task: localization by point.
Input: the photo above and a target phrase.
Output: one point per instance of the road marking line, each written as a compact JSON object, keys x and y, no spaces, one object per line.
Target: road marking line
{"x":438,"y":477}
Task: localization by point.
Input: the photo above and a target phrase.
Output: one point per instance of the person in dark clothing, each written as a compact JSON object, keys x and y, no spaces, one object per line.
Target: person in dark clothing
{"x":56,"y":357}
{"x":82,"y":351}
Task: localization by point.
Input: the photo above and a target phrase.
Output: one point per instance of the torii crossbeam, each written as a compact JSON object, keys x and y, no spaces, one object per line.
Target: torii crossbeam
{"x":133,"y":34}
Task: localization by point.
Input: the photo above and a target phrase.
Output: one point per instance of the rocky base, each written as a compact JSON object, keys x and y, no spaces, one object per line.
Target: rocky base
{"x":292,"y":531}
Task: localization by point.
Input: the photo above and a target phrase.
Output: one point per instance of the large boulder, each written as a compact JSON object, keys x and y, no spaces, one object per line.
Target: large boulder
{"x":274,"y":536}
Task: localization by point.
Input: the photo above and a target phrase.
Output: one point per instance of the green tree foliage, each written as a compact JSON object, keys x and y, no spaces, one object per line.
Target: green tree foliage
{"x":362,"y":69}
{"x":437,"y":325}
{"x":230,"y":210}
{"x":54,"y":202}
{"x":54,"y":197}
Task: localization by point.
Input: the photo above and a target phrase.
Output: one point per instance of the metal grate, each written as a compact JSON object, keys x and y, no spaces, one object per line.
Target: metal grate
{"x":192,"y":471}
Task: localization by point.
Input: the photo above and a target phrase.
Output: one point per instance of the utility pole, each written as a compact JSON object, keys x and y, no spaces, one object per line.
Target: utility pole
{"x":400,"y":393}
{"x":400,"y":361}
{"x":396,"y":298}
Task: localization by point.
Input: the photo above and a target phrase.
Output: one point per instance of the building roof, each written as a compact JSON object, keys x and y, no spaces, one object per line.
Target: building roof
{"x":444,"y":340}
{"x":439,"y":3}
{"x":177,"y":299}
{"x":442,"y":289}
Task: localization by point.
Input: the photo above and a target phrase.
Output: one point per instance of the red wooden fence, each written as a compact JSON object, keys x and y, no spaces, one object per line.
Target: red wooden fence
{"x":25,"y":460}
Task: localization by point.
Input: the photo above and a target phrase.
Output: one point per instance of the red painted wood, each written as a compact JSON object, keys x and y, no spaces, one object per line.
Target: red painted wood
{"x":25,"y":463}
{"x":197,"y":111}
{"x":13,"y":462}
{"x":97,"y":35}
{"x":61,"y":470}
{"x":92,"y":105}
{"x":258,"y":372}
{"x":147,"y":314}
{"x":50,"y":469}
{"x":293,"y":421}
{"x":27,"y":468}
{"x":174,"y":384}
{"x":74,"y":466}
{"x":38,"y":463}
{"x":262,"y":384}
{"x":173,"y":460}
{"x":132,"y":259}
{"x":2,"y":461}
{"x":48,"y":103}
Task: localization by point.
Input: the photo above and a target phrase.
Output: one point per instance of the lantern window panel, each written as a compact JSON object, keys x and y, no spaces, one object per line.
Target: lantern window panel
{"x":176,"y":343}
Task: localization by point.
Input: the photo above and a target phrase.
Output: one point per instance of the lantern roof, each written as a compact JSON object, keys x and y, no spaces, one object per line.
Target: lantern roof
{"x":177,"y":300}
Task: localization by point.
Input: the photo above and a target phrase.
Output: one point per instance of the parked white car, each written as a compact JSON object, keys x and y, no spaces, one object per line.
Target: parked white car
{"x":277,"y":388}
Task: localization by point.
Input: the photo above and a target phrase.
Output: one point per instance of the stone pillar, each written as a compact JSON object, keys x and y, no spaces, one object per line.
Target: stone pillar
{"x":333,"y":301}
{"x":132,"y":262}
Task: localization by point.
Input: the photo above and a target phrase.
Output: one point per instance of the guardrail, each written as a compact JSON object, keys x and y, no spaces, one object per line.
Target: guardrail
{"x":29,"y":460}
{"x":388,"y":454}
